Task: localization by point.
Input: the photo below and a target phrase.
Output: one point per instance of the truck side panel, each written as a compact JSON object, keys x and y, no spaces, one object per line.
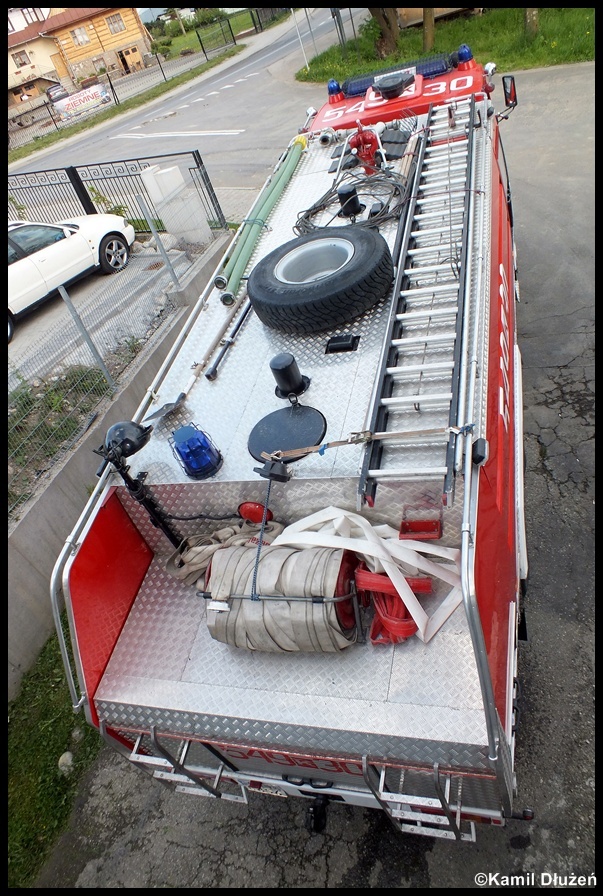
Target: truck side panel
{"x":106,"y":573}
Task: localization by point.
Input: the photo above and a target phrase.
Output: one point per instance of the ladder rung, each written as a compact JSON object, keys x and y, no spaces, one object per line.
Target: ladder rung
{"x":428,"y":268}
{"x":414,"y":370}
{"x":439,"y":287}
{"x":425,"y":314}
{"x":432,"y":339}
{"x":451,"y":149}
{"x":434,"y":249}
{"x":446,"y":165}
{"x":408,"y":475}
{"x":412,"y":400}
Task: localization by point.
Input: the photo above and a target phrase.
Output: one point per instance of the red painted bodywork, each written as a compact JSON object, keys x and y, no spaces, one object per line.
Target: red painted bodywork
{"x":104,"y":580}
{"x":496,"y":548}
{"x":343,"y":114}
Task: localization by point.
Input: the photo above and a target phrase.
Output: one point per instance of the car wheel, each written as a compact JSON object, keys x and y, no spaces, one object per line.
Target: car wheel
{"x":114,"y":253}
{"x":11,"y":327}
{"x":320,"y":280}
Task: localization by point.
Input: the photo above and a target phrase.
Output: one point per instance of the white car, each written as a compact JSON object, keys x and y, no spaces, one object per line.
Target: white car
{"x":42,"y":257}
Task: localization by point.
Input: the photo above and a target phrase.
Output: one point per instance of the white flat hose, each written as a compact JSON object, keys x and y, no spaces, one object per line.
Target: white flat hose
{"x":382,"y":551}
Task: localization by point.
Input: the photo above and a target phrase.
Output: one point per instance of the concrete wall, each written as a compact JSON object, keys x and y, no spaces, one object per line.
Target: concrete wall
{"x":37,"y":540}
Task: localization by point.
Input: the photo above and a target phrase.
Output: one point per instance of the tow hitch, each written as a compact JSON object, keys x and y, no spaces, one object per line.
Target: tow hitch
{"x":316,"y":816}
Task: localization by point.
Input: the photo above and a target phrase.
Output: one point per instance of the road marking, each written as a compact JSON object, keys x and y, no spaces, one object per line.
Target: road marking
{"x":178,"y":134}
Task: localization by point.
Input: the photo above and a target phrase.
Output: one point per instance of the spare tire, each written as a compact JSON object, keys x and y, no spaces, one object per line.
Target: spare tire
{"x":321,"y":280}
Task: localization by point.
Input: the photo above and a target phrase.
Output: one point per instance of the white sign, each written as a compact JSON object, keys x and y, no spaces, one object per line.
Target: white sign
{"x":82,"y":101}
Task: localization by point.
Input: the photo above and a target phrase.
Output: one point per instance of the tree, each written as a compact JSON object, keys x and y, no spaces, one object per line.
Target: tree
{"x":389,"y":29}
{"x":428,"y":29}
{"x":531,"y":22}
{"x":173,"y":13}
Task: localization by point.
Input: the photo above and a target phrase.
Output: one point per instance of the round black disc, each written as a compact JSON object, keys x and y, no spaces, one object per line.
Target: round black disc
{"x":297,"y":426}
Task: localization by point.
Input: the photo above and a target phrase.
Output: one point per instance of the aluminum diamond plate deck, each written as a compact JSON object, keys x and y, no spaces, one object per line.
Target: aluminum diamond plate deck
{"x":243,"y":392}
{"x":421,"y":701}
{"x":415,"y":699}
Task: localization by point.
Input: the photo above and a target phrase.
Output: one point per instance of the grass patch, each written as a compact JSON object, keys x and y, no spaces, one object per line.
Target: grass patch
{"x":42,"y":726}
{"x":44,"y":420}
{"x":498,"y":35}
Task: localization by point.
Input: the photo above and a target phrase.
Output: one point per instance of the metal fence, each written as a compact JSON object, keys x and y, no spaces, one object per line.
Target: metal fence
{"x":57,"y":385}
{"x":56,"y":194}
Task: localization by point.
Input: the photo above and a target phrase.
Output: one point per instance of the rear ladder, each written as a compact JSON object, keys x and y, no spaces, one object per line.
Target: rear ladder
{"x":429,"y":816}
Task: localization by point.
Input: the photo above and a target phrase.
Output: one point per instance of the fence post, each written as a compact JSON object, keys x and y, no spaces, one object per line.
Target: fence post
{"x":160,"y":66}
{"x":233,"y":38}
{"x":145,"y":210}
{"x":80,"y":191}
{"x":209,"y":189}
{"x":86,"y":337}
{"x":115,"y":97}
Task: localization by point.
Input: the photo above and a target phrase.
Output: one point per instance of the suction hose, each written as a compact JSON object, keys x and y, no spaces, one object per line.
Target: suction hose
{"x":230,"y":277}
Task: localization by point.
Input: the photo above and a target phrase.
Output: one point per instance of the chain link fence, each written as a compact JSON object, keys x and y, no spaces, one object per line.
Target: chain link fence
{"x":58,"y":384}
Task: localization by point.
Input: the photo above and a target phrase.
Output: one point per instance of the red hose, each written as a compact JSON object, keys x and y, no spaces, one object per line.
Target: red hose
{"x":392,"y":623}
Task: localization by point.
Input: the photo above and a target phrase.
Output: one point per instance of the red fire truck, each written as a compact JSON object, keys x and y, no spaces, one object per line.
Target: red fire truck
{"x":301,"y":570}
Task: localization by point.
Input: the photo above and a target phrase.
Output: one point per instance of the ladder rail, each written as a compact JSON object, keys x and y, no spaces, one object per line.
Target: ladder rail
{"x":433,"y":273}
{"x":463,"y":308}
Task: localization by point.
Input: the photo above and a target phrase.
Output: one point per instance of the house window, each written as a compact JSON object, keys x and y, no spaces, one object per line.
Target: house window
{"x":20,"y":59}
{"x":11,"y":27}
{"x":79,"y":37}
{"x":34,"y":14}
{"x":115,"y":24}
{"x":99,"y":64}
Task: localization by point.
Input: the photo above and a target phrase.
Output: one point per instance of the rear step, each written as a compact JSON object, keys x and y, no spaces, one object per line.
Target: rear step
{"x":173,"y":770}
{"x":415,"y":814}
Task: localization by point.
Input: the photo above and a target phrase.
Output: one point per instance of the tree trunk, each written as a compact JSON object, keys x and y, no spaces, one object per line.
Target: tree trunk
{"x":180,"y":22}
{"x":531,"y":22}
{"x":428,"y":29}
{"x":387,"y":20}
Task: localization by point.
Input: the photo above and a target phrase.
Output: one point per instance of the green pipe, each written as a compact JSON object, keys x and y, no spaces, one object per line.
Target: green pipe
{"x":238,"y":261}
{"x":263,"y":210}
{"x":221,"y":279}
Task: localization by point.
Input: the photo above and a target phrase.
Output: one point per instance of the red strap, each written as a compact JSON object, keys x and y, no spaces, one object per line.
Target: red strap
{"x":375,"y":581}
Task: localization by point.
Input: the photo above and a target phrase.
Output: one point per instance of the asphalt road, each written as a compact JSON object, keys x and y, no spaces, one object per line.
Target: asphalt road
{"x":239,"y":115}
{"x":127,"y":831}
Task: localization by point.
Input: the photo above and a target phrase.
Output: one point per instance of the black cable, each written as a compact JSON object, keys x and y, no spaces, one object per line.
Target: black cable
{"x":383,"y":187}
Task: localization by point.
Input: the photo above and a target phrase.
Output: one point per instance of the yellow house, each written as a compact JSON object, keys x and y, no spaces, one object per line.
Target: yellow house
{"x":92,"y":40}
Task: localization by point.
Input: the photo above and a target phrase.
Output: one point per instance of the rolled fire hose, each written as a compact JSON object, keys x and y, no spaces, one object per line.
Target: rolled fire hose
{"x":293,"y":612}
{"x":230,"y":277}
